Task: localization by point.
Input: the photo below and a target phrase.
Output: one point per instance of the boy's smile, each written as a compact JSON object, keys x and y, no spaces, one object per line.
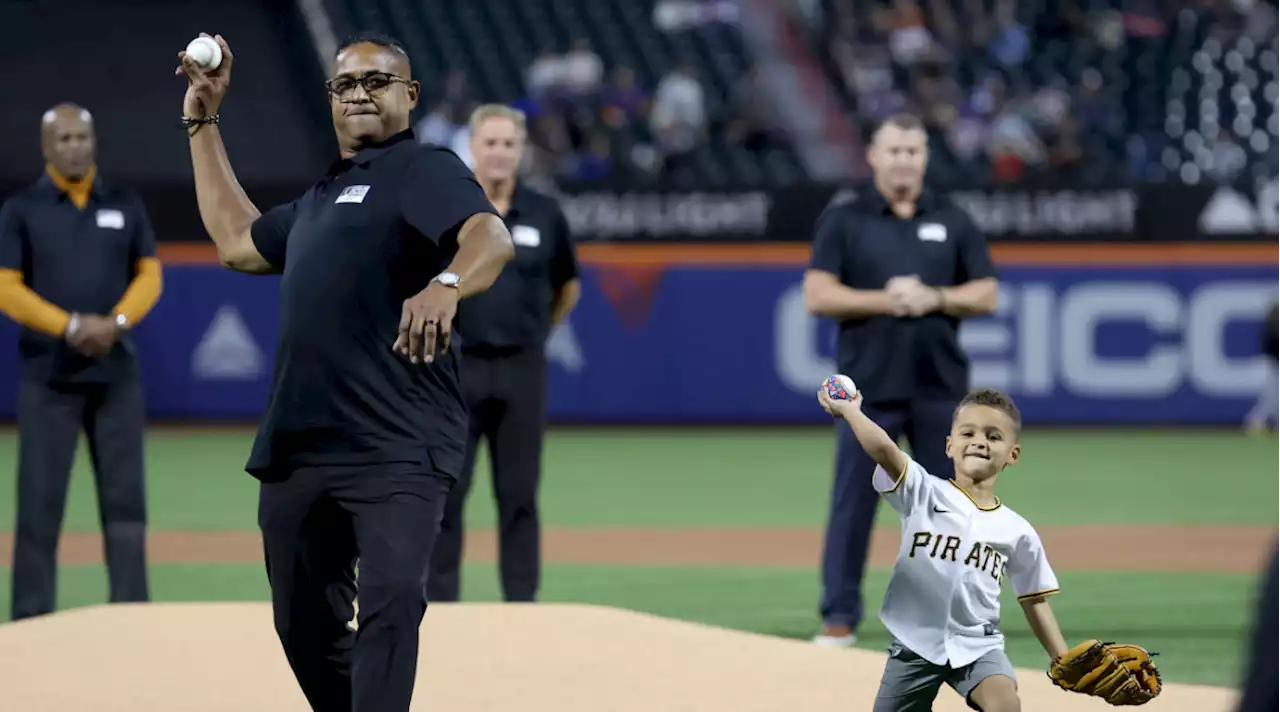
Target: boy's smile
{"x":982,"y":441}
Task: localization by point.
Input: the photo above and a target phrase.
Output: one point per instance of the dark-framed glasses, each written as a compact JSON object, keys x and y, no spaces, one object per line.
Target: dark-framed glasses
{"x":373,"y":83}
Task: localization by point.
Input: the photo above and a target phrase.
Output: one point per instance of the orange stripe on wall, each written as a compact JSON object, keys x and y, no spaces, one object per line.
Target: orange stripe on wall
{"x":797,"y":254}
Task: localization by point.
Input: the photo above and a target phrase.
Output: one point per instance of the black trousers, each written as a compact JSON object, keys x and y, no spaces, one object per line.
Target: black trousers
{"x":50,"y":419}
{"x":315,"y":526}
{"x":1258,"y":690}
{"x":852,"y":514}
{"x":507,"y":398}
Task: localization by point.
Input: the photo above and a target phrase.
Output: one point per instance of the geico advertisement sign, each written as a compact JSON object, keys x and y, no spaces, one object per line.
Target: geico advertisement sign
{"x":1046,"y":339}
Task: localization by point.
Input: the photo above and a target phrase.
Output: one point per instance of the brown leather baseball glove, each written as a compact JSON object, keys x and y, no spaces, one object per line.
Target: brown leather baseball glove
{"x":1121,"y":674}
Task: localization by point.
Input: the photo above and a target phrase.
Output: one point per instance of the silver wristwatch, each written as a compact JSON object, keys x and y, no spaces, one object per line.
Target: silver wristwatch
{"x":73,"y":325}
{"x":448,"y":279}
{"x":122,"y":321}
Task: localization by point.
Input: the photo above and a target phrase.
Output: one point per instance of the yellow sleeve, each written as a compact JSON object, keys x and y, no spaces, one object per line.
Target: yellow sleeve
{"x":24,"y":306}
{"x":143,"y":291}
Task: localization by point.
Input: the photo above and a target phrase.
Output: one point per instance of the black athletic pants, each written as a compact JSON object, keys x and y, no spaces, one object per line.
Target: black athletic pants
{"x":315,"y":526}
{"x":852,"y":514}
{"x":507,"y":398}
{"x":1258,"y":690}
{"x":50,"y":419}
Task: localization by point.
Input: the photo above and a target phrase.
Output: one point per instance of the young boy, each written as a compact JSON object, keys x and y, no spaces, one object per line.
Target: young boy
{"x":959,"y":543}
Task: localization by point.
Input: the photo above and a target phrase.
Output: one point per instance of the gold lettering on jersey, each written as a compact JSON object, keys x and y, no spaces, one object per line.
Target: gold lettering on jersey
{"x":919,"y":540}
{"x":947,"y":547}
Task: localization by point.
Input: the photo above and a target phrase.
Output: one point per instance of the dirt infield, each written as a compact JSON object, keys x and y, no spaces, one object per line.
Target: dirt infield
{"x":1224,"y":549}
{"x":475,"y":658}
{"x":146,"y":657}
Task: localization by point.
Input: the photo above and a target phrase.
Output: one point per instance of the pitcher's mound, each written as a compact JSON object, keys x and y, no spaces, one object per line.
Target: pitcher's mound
{"x":476,"y":658}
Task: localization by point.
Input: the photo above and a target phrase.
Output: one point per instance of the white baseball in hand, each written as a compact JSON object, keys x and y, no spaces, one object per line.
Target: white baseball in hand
{"x":205,"y":53}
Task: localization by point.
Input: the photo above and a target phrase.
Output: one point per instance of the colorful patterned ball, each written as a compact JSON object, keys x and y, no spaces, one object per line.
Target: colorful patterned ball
{"x":840,"y":387}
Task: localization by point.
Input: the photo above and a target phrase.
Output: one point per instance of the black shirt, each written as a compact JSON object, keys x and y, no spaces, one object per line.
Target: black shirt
{"x":515,"y":313}
{"x":81,"y":260}
{"x":1271,"y":333}
{"x":352,"y":249}
{"x":1258,"y":690}
{"x":864,"y":244}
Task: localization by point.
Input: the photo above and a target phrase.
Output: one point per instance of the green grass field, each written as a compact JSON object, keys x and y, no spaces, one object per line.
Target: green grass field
{"x":765,"y":477}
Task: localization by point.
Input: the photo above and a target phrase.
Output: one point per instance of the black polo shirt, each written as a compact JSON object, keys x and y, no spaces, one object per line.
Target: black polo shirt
{"x":864,"y":244}
{"x":81,"y":260}
{"x":352,"y":249}
{"x":515,"y":313}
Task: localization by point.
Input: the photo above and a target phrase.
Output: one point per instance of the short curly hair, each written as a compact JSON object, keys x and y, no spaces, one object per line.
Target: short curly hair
{"x":992,"y":398}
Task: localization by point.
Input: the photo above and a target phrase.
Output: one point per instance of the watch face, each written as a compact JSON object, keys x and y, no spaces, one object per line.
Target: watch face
{"x":448,"y":279}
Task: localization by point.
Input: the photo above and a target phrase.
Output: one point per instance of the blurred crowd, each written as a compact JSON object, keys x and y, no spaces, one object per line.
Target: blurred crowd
{"x":1011,"y":90}
{"x":1093,"y":90}
{"x":589,"y":123}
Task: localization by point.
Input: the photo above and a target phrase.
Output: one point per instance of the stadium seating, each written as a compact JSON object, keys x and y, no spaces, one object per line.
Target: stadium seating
{"x":275,"y":120}
{"x":1184,"y":91}
{"x":1227,"y":89}
{"x":493,"y":43}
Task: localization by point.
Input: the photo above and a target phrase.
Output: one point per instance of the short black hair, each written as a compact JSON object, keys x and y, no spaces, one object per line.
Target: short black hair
{"x":992,"y":398}
{"x":374,"y":38}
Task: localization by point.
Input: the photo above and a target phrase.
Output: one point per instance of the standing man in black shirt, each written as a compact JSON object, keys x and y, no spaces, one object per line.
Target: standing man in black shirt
{"x":363,"y":434}
{"x":1258,"y":691}
{"x":78,"y":268}
{"x":504,"y":370}
{"x":898,"y":267}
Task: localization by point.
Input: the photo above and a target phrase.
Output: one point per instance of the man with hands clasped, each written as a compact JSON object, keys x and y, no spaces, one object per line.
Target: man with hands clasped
{"x":898,"y":267}
{"x":77,"y":270}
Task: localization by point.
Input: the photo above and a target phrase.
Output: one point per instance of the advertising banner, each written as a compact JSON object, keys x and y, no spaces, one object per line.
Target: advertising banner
{"x":789,"y":215}
{"x":1048,"y":213}
{"x":1072,"y":345}
{"x":1045,"y":213}
{"x":731,"y":343}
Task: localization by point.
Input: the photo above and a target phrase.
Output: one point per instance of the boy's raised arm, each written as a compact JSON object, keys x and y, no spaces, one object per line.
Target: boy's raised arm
{"x":873,"y":439}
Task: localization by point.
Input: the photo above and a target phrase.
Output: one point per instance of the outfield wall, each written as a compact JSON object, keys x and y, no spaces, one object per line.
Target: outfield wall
{"x":687,"y":334}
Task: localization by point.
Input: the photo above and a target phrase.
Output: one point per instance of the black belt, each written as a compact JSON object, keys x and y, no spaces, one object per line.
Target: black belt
{"x":493,"y":351}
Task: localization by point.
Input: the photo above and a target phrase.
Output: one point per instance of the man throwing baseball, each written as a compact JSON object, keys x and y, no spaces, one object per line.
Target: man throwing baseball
{"x":364,"y":431}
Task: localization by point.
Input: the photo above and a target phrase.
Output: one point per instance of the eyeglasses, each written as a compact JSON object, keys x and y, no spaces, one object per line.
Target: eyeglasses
{"x":373,"y":83}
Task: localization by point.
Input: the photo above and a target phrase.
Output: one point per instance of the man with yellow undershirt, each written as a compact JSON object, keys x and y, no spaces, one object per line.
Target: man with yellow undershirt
{"x":77,"y":271}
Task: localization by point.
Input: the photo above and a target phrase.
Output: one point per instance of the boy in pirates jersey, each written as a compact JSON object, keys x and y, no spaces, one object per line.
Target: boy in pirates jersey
{"x":959,"y":544}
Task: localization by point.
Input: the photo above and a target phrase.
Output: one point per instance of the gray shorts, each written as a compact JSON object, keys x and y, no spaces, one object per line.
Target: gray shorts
{"x":911,"y":683}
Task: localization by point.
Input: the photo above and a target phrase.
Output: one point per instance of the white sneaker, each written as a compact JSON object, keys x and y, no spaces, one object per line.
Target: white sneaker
{"x":835,"y":641}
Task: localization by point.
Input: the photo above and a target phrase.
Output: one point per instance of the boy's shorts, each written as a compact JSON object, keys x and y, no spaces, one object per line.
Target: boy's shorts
{"x":911,"y":683}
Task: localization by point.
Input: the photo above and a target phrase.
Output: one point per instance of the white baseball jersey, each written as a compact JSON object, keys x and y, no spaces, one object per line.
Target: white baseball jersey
{"x":943,"y":600}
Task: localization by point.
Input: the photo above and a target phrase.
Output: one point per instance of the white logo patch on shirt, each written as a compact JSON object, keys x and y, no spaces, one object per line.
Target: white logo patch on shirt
{"x":932,"y":232}
{"x":526,"y":236}
{"x":111,"y":219}
{"x":353,"y":194}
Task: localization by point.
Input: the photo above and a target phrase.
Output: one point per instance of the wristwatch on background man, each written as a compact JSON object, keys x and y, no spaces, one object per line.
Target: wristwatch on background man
{"x":73,"y":325}
{"x":122,"y":322}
